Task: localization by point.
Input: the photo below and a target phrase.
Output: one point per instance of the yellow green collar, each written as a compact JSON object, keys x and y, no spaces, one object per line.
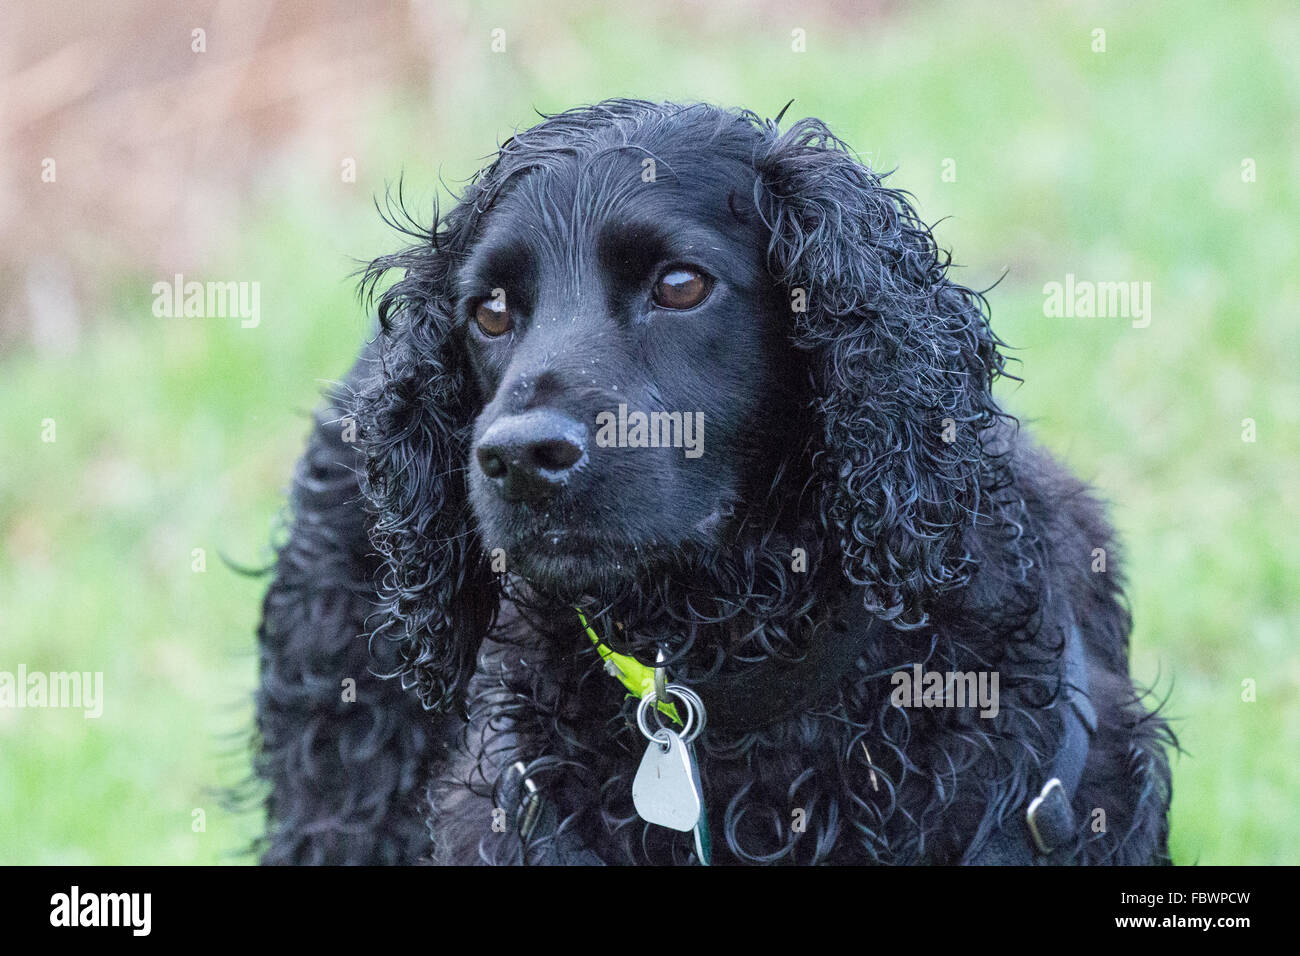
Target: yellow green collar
{"x":635,"y":676}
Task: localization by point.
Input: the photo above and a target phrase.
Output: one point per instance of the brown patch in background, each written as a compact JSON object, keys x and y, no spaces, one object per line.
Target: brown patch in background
{"x":155,"y":145}
{"x":159,"y":150}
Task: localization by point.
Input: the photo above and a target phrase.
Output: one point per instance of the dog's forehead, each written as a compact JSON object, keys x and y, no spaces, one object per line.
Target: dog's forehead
{"x":582,"y":193}
{"x":564,"y":220}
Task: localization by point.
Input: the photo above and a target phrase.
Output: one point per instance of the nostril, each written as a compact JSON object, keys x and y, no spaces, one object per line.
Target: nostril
{"x":491,"y":462}
{"x":530,"y":456}
{"x":555,"y":454}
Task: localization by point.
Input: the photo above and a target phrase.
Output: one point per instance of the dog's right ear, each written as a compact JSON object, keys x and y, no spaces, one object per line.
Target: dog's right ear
{"x":438,"y":597}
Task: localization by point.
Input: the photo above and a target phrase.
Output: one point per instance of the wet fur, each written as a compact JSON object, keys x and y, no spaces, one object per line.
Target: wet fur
{"x":976,"y":551}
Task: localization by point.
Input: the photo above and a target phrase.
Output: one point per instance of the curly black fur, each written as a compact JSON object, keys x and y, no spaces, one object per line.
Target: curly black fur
{"x":910,"y":490}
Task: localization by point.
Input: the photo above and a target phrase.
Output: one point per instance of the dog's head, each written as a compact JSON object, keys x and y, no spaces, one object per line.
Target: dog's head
{"x":646,"y":329}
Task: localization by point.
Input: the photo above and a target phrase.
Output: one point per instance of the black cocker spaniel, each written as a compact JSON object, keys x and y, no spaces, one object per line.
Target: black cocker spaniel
{"x":677,"y":427}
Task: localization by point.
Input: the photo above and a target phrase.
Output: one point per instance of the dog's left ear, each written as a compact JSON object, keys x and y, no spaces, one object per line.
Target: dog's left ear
{"x":437,"y":595}
{"x":904,"y":361}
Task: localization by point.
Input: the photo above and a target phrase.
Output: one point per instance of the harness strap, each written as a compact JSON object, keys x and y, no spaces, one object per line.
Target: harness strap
{"x":535,"y":820}
{"x":1049,"y":818}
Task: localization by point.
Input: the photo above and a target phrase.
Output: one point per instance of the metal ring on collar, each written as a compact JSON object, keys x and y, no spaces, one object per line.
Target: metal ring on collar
{"x":692,"y":726}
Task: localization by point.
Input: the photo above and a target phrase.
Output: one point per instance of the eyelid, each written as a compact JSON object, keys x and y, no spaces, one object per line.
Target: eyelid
{"x":475,"y":300}
{"x":679,"y":266}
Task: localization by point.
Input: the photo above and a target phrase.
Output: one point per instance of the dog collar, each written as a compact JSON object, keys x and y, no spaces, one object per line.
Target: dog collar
{"x":764,"y":693}
{"x":758,"y":696}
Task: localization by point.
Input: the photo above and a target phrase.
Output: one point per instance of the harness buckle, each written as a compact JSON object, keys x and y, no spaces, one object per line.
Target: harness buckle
{"x":521,"y":796}
{"x":1050,"y":817}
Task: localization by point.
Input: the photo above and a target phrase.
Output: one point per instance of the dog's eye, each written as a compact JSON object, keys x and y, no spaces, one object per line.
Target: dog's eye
{"x":681,"y":288}
{"x":493,"y":317}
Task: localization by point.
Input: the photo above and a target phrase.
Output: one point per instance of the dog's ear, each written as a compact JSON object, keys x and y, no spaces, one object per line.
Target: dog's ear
{"x":904,"y":361}
{"x":437,"y":594}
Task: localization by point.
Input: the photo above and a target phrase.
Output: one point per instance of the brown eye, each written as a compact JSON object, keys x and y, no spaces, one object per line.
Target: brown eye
{"x":493,"y":317}
{"x":681,"y":288}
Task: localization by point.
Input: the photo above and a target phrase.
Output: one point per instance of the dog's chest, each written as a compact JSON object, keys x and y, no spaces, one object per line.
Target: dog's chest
{"x":561,"y":732}
{"x":573,"y":748}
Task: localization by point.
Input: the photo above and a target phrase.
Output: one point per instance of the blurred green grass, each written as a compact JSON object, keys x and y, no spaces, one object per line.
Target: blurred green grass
{"x":1118,"y":166}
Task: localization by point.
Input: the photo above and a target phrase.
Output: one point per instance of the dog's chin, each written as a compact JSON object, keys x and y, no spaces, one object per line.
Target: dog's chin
{"x":573,"y":580}
{"x":568,"y":563}
{"x":568,"y":566}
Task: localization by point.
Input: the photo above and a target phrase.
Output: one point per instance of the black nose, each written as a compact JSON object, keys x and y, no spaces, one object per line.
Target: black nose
{"x":530,"y":457}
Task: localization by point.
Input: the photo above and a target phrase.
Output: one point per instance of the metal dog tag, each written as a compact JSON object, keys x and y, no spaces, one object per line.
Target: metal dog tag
{"x":666,"y":789}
